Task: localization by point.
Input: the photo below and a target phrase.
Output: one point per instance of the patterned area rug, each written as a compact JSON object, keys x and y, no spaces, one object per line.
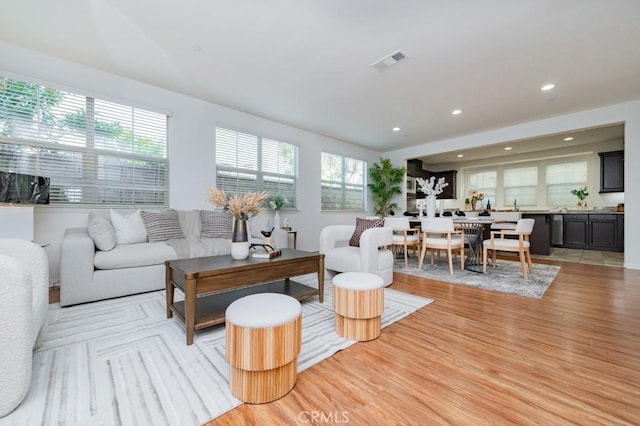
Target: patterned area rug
{"x":122,"y":362}
{"x":505,"y":278}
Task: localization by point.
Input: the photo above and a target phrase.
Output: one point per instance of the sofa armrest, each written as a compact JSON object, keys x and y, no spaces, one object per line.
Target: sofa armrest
{"x":370,"y":240}
{"x":333,"y":236}
{"x":76,"y":262}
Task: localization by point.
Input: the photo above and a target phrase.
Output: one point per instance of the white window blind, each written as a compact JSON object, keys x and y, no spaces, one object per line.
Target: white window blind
{"x":248,"y":163}
{"x":342,"y":183}
{"x":561,"y":179}
{"x":484,"y":181}
{"x":520,"y":184}
{"x":95,"y":152}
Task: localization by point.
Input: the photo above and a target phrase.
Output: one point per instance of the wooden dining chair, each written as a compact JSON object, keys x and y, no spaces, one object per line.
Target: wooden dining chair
{"x":523,"y":230}
{"x":403,"y":236}
{"x":440,"y":234}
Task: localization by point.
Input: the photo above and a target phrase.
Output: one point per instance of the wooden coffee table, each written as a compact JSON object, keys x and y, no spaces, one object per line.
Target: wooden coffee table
{"x":211,"y":283}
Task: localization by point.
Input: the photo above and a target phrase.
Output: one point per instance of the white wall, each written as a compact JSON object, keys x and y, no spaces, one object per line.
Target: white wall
{"x":191,"y":145}
{"x":627,"y":113}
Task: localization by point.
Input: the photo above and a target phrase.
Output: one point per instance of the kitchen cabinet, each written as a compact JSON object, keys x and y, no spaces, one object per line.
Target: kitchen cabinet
{"x":612,"y":171}
{"x":540,"y":238}
{"x":592,"y":232}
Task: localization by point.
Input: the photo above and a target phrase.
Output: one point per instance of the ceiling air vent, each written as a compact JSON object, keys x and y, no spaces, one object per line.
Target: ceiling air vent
{"x":390,"y":60}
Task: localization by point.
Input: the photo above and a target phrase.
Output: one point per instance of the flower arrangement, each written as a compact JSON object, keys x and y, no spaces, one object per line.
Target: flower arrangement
{"x":477,"y":195}
{"x":580,"y":193}
{"x":239,"y":206}
{"x":277,"y":202}
{"x":431,"y":186}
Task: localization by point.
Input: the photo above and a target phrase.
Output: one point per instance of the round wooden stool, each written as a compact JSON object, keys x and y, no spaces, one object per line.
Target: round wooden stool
{"x":263,"y":340}
{"x":358,"y":302}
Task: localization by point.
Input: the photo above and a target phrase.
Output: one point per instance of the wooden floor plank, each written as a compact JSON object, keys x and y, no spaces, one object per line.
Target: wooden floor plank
{"x":481,"y":357}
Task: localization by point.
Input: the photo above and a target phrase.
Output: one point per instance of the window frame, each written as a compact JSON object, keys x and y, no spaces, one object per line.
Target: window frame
{"x":282,"y":183}
{"x":62,"y":146}
{"x":342,"y":185}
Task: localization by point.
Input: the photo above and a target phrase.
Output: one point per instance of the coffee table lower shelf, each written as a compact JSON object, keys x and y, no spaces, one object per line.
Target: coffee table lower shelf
{"x":210,"y":308}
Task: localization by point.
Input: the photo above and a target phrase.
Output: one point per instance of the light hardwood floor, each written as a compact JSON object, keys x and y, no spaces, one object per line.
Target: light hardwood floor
{"x":477,"y":357}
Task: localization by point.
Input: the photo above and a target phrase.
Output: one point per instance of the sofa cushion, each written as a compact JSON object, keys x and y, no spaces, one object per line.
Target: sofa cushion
{"x":134,"y":255}
{"x":347,"y":259}
{"x":190,"y":223}
{"x":162,"y":226}
{"x":361,"y":226}
{"x":129,"y":227}
{"x":215,"y":224}
{"x":102,"y":233}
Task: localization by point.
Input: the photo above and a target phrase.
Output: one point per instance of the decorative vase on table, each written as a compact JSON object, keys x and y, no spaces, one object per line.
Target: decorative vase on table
{"x":276,"y":219}
{"x":431,"y":206}
{"x":239,"y":240}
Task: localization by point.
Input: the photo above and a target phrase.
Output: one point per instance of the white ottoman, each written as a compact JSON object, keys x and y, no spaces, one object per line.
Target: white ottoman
{"x":263,"y":339}
{"x":358,"y":302}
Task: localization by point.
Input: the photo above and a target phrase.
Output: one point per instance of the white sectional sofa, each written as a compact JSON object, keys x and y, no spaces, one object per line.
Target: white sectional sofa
{"x":107,"y":259}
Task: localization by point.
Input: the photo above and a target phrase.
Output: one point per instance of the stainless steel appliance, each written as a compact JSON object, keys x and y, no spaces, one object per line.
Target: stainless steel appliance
{"x":556,"y":230}
{"x":411,"y":185}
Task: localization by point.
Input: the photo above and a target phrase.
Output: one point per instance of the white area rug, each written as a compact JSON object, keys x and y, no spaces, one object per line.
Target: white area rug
{"x":122,"y":362}
{"x":505,"y":278}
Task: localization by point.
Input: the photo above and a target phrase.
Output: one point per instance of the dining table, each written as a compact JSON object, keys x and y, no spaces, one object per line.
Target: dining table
{"x":474,"y":229}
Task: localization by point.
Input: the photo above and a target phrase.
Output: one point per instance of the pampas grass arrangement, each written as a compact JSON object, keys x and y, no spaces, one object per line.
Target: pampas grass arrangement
{"x":239,"y":206}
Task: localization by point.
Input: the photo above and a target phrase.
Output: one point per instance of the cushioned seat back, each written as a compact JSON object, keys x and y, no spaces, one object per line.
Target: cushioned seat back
{"x":397,"y":222}
{"x":437,"y":224}
{"x":525,"y":225}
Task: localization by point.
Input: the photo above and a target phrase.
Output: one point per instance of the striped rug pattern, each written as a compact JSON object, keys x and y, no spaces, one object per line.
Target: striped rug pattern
{"x":122,"y":362}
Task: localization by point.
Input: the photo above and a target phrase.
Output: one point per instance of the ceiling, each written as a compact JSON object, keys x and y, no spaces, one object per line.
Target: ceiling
{"x":307,"y":63}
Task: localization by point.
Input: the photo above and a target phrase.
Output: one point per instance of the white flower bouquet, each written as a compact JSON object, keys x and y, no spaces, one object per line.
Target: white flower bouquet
{"x":431,"y":186}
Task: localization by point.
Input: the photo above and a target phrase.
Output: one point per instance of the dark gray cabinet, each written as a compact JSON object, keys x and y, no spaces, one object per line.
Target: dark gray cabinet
{"x":612,"y":171}
{"x":540,"y":237}
{"x":593,"y":232}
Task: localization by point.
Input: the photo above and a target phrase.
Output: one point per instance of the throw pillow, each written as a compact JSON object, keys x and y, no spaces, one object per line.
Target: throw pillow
{"x":162,"y":226}
{"x":129,"y":227}
{"x":102,"y":233}
{"x":216,"y":224}
{"x":361,"y":226}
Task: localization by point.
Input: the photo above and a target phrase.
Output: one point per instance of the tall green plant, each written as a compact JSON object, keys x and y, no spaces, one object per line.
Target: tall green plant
{"x":385,"y":182}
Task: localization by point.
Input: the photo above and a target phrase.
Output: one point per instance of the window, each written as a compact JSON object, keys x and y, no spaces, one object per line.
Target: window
{"x":95,"y":152}
{"x":343,"y":183}
{"x":561,"y":179}
{"x":248,"y":163}
{"x":520,"y":184}
{"x":484,"y":181}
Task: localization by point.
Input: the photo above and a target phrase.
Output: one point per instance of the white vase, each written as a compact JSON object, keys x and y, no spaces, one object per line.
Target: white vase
{"x":240,"y":250}
{"x":276,"y":219}
{"x":431,"y":206}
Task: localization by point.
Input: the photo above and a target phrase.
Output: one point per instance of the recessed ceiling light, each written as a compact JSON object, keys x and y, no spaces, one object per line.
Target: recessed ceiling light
{"x":396,"y":129}
{"x":460,"y":155}
{"x":568,"y":138}
{"x":547,"y":87}
{"x":508,"y":148}
{"x":456,"y":112}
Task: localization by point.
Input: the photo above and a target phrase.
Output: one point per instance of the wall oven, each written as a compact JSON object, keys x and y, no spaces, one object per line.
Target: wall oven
{"x":411,"y":185}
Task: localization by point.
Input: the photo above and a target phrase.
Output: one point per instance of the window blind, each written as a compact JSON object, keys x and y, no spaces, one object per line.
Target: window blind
{"x":561,"y":179}
{"x":342,"y":183}
{"x":95,"y":152}
{"x":521,"y":184}
{"x":249,"y":163}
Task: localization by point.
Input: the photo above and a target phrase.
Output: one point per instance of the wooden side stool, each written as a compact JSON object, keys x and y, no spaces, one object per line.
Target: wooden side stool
{"x":358,"y":302}
{"x":263,"y":340}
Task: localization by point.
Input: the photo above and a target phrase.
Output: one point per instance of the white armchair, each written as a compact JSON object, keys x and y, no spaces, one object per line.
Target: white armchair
{"x":369,"y":257}
{"x":264,"y":222}
{"x":24,"y":283}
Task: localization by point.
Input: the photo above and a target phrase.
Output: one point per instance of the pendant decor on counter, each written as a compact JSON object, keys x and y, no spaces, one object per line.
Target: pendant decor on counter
{"x":431,"y":206}
{"x":239,"y":240}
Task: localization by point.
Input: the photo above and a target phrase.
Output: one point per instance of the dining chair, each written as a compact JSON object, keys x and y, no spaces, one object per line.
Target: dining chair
{"x":440,"y":234}
{"x":523,"y":230}
{"x":403,"y":236}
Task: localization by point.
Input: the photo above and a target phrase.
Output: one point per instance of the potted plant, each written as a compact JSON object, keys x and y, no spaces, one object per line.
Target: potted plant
{"x":385,"y":183}
{"x":581,"y":193}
